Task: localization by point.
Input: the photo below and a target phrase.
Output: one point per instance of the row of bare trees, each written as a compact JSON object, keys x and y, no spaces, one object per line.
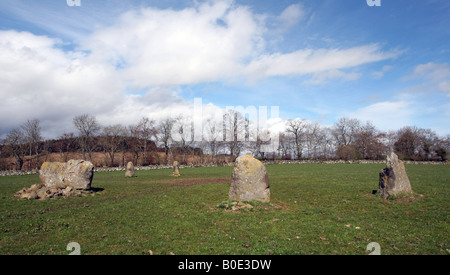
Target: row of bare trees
{"x":351,"y":139}
{"x":230,"y":135}
{"x":23,"y":141}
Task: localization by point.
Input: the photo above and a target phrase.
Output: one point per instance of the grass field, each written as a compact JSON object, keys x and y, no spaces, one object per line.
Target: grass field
{"x":314,"y":209}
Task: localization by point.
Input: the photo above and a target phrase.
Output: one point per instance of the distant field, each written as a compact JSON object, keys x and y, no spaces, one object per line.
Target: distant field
{"x":314,"y":209}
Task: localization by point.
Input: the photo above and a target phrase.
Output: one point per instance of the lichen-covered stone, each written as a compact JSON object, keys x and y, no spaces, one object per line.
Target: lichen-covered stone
{"x":393,"y":178}
{"x":250,"y":181}
{"x":75,"y":173}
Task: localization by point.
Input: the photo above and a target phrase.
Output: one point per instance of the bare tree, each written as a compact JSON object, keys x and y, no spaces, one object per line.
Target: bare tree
{"x":390,"y":138}
{"x":183,"y":128}
{"x":88,"y":128}
{"x":212,"y":135}
{"x":32,"y":135}
{"x":67,"y":142}
{"x":164,"y":135}
{"x":48,"y":145}
{"x":368,"y":142}
{"x":286,"y":144}
{"x":344,"y":131}
{"x":16,"y":145}
{"x":408,"y":142}
{"x":325,"y":140}
{"x":312,"y":139}
{"x":443,"y":148}
{"x":112,"y":140}
{"x":147,"y":131}
{"x":235,"y":132}
{"x":297,"y":128}
{"x":142,"y":135}
{"x":134,"y":142}
{"x":417,"y":143}
{"x":260,"y":142}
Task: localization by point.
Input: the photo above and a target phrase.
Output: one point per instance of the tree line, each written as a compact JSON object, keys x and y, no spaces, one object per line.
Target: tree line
{"x":159,"y":142}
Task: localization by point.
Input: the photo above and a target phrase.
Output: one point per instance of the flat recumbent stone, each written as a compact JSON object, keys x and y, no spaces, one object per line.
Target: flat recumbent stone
{"x":74,"y":173}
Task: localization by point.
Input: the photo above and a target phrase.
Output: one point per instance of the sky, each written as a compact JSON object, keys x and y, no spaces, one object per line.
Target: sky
{"x":317,"y":60}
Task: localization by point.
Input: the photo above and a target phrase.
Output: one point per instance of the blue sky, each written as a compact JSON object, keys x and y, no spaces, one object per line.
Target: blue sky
{"x":316,"y":59}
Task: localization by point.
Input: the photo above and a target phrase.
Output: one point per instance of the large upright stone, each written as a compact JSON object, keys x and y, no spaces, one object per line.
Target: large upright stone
{"x":249,"y":181}
{"x":74,"y":173}
{"x":176,"y":169}
{"x":393,"y":178}
{"x":130,"y":170}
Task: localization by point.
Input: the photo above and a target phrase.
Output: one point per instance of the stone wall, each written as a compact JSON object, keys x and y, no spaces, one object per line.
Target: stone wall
{"x":153,"y":167}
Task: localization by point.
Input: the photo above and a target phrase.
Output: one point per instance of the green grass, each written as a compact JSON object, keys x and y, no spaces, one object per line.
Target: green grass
{"x":314,"y":209}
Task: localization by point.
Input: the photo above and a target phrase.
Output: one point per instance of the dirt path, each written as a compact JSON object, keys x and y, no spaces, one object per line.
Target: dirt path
{"x":192,"y":181}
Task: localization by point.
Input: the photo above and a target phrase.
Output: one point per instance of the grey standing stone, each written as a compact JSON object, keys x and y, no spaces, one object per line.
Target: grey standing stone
{"x":393,"y":178}
{"x":250,"y":181}
{"x":130,"y":170}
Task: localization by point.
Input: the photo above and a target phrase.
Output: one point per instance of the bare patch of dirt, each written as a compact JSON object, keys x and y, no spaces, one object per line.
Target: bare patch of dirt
{"x":194,"y":181}
{"x":400,"y":198}
{"x":410,"y":198}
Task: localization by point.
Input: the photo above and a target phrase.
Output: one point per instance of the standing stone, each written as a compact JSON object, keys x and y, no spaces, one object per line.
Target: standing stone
{"x":393,"y":178}
{"x":249,"y":181}
{"x":75,"y":173}
{"x":176,"y":169}
{"x":130,"y":170}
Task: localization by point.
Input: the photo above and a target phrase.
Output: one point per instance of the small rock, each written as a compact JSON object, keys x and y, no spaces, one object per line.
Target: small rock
{"x":248,"y":206}
{"x":42,"y":193}
{"x":32,"y":195}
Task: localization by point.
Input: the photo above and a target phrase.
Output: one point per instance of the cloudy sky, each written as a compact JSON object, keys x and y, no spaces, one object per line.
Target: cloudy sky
{"x":318,"y":60}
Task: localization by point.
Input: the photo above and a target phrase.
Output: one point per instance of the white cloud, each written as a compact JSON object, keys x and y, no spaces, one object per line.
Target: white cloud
{"x":435,"y":77}
{"x":317,"y":61}
{"x":292,"y":15}
{"x":37,"y":79}
{"x":380,"y":74}
{"x":166,"y":47}
{"x":444,"y":86}
{"x":386,"y":115}
{"x":153,"y":51}
{"x":322,"y":77}
{"x":212,"y":42}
